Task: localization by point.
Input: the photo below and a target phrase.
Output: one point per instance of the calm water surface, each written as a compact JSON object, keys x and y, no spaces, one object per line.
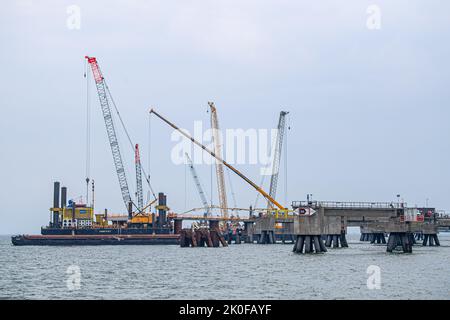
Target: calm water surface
{"x":237,"y":272}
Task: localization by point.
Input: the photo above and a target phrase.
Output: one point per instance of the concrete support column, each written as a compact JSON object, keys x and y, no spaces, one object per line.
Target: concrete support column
{"x":400,"y":239}
{"x":309,"y":244}
{"x":248,"y":229}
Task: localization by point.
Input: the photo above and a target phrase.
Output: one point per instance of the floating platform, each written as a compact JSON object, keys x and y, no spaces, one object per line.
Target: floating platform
{"x":104,"y":231}
{"x":93,"y":240}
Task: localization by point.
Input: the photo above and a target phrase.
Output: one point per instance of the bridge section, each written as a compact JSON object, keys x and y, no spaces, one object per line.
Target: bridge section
{"x":354,"y":213}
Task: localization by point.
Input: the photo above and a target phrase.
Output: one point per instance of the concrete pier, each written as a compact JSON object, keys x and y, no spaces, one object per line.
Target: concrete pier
{"x":402,"y":239}
{"x":309,"y":244}
{"x":265,"y":228}
{"x":248,"y":231}
{"x":309,"y":230}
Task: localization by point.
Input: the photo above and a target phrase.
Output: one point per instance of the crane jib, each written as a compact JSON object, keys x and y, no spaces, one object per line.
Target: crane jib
{"x":110,"y":130}
{"x":261,"y":191}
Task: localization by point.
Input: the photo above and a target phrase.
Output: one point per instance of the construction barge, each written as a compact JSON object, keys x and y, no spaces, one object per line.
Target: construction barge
{"x":76,"y":224}
{"x":77,"y":240}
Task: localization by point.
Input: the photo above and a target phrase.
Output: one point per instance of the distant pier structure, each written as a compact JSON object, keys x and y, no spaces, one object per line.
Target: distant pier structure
{"x":330,"y":219}
{"x":318,"y":226}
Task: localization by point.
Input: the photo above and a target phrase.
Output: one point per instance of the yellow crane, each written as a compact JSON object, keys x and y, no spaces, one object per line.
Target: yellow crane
{"x":260,"y":190}
{"x":219,"y":166}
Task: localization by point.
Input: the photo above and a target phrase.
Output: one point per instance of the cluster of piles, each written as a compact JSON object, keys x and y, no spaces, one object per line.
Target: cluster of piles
{"x":309,"y":244}
{"x":403,"y":239}
{"x":201,"y":238}
{"x":336,"y":240}
{"x":377,"y":237}
{"x":430,"y":239}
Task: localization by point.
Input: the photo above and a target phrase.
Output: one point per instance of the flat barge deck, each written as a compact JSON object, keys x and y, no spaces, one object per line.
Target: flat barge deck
{"x":77,"y":240}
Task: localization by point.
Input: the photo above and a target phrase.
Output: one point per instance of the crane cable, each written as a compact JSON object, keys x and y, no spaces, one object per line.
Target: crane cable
{"x":233,"y":195}
{"x":211,"y":182}
{"x":263,"y":180}
{"x":88,"y":131}
{"x":286,"y":158}
{"x":257,"y":194}
{"x":285,"y":165}
{"x":128,"y":135}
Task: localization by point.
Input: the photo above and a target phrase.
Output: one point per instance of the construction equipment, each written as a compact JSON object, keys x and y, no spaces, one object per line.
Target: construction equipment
{"x":219,"y":166}
{"x":277,"y":156}
{"x":199,"y":186}
{"x":260,"y":190}
{"x":139,"y":190}
{"x":103,"y":93}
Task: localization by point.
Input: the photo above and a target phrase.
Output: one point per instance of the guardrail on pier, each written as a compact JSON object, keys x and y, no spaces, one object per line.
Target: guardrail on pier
{"x":349,"y":205}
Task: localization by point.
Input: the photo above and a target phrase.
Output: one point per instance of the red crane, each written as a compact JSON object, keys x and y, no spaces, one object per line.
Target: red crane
{"x":103,"y":93}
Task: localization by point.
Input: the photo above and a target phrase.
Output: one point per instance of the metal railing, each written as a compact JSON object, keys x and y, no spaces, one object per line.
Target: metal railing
{"x":349,"y":205}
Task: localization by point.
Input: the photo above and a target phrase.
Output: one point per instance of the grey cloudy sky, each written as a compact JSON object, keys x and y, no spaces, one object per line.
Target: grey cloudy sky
{"x":369,"y":109}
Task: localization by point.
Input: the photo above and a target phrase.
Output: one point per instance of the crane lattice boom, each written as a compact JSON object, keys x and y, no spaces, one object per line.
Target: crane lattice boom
{"x":139,"y":190}
{"x":219,"y":166}
{"x":199,"y":186}
{"x":277,"y":155}
{"x":110,"y":130}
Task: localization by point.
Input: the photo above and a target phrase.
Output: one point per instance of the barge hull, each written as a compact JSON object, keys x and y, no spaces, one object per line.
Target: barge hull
{"x":94,"y":240}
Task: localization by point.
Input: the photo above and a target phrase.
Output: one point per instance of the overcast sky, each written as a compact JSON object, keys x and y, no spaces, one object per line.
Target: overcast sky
{"x":369,"y":108}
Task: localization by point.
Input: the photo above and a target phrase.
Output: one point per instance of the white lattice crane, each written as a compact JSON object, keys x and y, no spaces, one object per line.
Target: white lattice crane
{"x":139,"y":190}
{"x":219,"y":165}
{"x":199,"y":186}
{"x":277,"y":156}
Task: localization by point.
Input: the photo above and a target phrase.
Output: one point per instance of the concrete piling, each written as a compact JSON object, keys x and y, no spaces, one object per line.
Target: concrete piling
{"x":265,"y":228}
{"x":402,"y":239}
{"x":266,"y":237}
{"x":248,"y":231}
{"x":411,"y":238}
{"x":431,"y":240}
{"x":237,"y":237}
{"x":343,"y":240}
{"x":201,"y":238}
{"x":373,"y":237}
{"x":309,"y":244}
{"x":419,"y":235}
{"x":336,"y":240}
{"x":378,"y":238}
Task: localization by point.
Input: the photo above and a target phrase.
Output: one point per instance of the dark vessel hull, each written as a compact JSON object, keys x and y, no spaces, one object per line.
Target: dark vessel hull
{"x":104,"y":231}
{"x":76,"y":240}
